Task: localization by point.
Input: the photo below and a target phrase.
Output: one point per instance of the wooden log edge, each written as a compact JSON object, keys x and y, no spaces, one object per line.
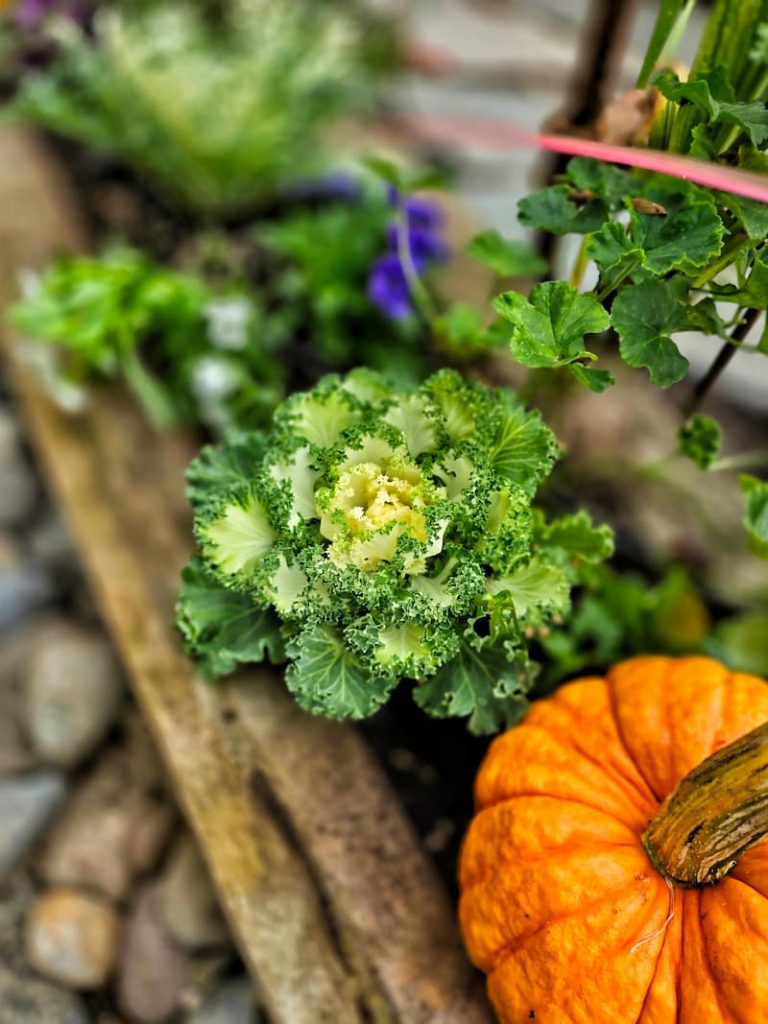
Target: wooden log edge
{"x":337,"y":912}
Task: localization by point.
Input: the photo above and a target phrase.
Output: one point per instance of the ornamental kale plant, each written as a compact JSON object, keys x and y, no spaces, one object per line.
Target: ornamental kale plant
{"x":217,"y":114}
{"x":374,"y":536}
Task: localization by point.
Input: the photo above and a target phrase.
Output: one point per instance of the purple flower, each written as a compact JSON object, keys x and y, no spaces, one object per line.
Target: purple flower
{"x":388,"y":284}
{"x":388,"y":287}
{"x":30,"y":13}
{"x":425,"y":247}
{"x":340,"y":186}
{"x":421,"y":214}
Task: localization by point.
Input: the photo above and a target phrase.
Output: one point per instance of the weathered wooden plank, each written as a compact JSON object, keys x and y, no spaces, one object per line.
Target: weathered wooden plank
{"x":336,"y":910}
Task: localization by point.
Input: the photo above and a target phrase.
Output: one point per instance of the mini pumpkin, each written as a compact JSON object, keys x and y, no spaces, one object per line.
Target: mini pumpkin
{"x":561,"y":905}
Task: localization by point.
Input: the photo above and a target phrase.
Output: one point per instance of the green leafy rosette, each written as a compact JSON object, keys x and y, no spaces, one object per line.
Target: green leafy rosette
{"x":374,"y":536}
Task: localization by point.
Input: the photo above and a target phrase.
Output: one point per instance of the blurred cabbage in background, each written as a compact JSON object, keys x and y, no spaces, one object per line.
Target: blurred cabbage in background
{"x":217,"y":109}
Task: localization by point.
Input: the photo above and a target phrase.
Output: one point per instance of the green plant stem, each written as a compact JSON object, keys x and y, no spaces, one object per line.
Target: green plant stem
{"x":744,"y":460}
{"x":670,"y":12}
{"x":150,"y":394}
{"x":722,"y":359}
{"x":580,"y":265}
{"x":419,"y":291}
{"x":730,"y":249}
{"x":611,"y":286}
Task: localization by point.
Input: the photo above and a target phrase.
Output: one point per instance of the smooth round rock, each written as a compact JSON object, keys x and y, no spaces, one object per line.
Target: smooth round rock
{"x":27,"y":803}
{"x":28,"y":1000}
{"x":72,"y":938}
{"x":234,"y":1003}
{"x":73,"y":688}
{"x":190,"y":909}
{"x":153,"y":969}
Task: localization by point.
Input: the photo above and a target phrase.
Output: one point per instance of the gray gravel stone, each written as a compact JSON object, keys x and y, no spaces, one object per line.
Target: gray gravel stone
{"x":27,"y":1000}
{"x":117,"y":823}
{"x":73,"y":690}
{"x":234,"y":1003}
{"x":153,"y":970}
{"x":17,"y":894}
{"x":26,"y":805}
{"x":51,"y":544}
{"x":16,"y":756}
{"x":190,"y":910}
{"x":24,"y":588}
{"x":18,"y":487}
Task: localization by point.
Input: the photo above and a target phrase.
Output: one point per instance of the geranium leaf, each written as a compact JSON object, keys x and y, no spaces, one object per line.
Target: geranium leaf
{"x":645,"y":315}
{"x":556,"y":210}
{"x":613,"y":251}
{"x":596,"y":380}
{"x":687,"y":236}
{"x":508,"y":257}
{"x":550,"y":327}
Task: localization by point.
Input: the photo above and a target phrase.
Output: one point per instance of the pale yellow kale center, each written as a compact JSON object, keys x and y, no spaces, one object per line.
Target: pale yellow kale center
{"x":370,"y":508}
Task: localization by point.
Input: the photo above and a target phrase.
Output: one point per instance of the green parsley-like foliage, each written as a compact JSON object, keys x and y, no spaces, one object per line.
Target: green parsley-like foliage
{"x":187,"y":352}
{"x":380,"y":536}
{"x":217,"y":116}
{"x":700,"y":440}
{"x":318,"y":301}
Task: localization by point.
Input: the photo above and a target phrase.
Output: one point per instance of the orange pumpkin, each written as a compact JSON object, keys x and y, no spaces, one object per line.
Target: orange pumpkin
{"x":560,"y":903}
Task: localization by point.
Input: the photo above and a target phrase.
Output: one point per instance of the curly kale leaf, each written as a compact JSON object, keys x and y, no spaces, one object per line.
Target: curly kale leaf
{"x":220,"y":468}
{"x":386,"y":531}
{"x":481,"y":684}
{"x":326,"y":678}
{"x":222,"y":628}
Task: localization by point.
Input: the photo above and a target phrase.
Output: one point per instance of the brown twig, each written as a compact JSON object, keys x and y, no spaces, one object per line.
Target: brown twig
{"x":721,"y":361}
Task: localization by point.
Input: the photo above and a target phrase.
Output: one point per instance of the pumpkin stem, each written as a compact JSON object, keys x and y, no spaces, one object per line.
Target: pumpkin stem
{"x":716,"y":812}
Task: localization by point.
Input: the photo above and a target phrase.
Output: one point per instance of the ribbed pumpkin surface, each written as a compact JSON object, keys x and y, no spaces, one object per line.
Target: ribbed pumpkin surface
{"x":556,"y":888}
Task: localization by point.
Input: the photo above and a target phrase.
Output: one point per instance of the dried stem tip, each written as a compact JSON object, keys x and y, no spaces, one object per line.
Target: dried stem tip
{"x":714,"y":815}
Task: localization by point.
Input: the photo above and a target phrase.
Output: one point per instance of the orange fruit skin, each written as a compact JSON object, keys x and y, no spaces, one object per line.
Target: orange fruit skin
{"x":561,"y":907}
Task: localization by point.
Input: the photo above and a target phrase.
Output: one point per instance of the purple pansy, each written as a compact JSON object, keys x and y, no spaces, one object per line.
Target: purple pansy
{"x":30,"y":13}
{"x":424,"y":247}
{"x":339,"y":186}
{"x":420,"y":213}
{"x":388,"y":286}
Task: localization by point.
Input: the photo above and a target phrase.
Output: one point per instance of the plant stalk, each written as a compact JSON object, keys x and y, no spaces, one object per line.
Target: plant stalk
{"x":721,"y":361}
{"x":715,"y":814}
